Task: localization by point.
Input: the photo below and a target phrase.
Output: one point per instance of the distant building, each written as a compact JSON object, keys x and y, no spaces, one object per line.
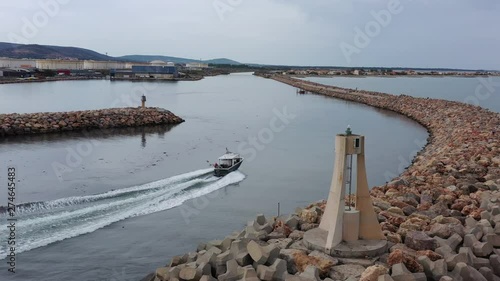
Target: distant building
{"x":17,"y":63}
{"x":56,"y":64}
{"x":196,"y":65}
{"x":15,"y":73}
{"x":92,"y":64}
{"x":153,"y":70}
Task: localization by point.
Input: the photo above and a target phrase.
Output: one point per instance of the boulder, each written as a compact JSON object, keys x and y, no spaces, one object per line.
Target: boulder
{"x":418,"y":240}
{"x":373,"y":272}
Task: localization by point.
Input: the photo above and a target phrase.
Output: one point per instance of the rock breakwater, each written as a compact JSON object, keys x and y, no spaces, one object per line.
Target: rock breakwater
{"x":441,"y":216}
{"x":50,"y":122}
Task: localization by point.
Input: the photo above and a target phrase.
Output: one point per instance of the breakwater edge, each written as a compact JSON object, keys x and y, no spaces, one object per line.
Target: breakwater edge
{"x":51,"y":122}
{"x":441,"y":216}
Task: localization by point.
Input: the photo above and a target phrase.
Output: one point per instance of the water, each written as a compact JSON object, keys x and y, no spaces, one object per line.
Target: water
{"x":482,"y":91}
{"x":116,"y":204}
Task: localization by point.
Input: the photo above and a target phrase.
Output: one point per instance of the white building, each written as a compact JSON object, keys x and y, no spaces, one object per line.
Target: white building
{"x":55,"y":64}
{"x":92,"y":64}
{"x":17,"y":63}
{"x":196,"y":65}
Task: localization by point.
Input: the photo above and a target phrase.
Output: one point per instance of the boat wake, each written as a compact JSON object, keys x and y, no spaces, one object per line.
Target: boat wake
{"x":42,"y":223}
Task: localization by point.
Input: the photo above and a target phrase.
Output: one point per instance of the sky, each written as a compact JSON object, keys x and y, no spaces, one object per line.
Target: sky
{"x":386,"y":33}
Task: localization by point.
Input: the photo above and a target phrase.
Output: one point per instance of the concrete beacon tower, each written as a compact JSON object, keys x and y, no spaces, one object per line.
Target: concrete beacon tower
{"x":348,"y":231}
{"x":143,"y":101}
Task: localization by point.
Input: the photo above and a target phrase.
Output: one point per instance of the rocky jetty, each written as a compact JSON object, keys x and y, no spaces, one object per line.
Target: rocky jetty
{"x":441,"y":216}
{"x":50,"y":122}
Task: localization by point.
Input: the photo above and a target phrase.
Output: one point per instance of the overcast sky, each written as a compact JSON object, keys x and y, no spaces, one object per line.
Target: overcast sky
{"x":413,"y":33}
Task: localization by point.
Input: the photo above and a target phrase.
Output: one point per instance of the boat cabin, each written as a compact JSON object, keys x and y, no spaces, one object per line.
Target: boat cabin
{"x":229,"y":159}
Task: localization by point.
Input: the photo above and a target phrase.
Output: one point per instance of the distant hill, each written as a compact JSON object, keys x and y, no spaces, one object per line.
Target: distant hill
{"x":148,"y":58}
{"x":34,"y":51}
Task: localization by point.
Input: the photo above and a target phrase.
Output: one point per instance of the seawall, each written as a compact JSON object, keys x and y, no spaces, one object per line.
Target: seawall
{"x":441,"y":216}
{"x":50,"y":122}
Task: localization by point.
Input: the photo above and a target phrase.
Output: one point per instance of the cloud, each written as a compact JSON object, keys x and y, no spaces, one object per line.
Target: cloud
{"x":445,"y":33}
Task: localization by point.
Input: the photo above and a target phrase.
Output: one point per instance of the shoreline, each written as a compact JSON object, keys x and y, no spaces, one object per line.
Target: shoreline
{"x":14,"y":124}
{"x":431,"y":214}
{"x":49,"y":79}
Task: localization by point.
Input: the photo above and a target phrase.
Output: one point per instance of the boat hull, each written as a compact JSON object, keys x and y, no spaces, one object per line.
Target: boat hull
{"x":220,"y":172}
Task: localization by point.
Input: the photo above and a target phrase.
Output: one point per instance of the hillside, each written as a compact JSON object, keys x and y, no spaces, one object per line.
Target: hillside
{"x":147,"y":58}
{"x":34,"y":51}
{"x":49,"y":52}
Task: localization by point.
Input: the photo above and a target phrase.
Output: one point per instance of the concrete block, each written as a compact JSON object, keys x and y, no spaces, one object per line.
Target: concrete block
{"x":167,"y":273}
{"x":273,"y":253}
{"x":292,"y":222}
{"x":493,"y":239}
{"x":191,"y":257}
{"x":487,"y":273}
{"x":233,"y":273}
{"x":201,"y":246}
{"x":243,"y":259}
{"x":446,"y":278}
{"x":475,"y":275}
{"x":485,"y":215}
{"x":221,"y":261}
{"x":477,"y":231}
{"x":470,"y":222}
{"x":261,"y":219}
{"x":496,"y":230}
{"x":481,"y":249}
{"x":445,"y":251}
{"x":281,"y":243}
{"x":209,"y":257}
{"x":311,"y":273}
{"x":401,"y":273}
{"x":460,"y":272}
{"x":452,"y":260}
{"x":205,"y":269}
{"x":265,"y":273}
{"x":176,"y":260}
{"x":226,"y":244}
{"x":440,"y":269}
{"x":454,"y":240}
{"x":214,"y":243}
{"x":190,"y":274}
{"x":162,"y":273}
{"x":238,"y":246}
{"x":477,"y":263}
{"x":495,"y":264}
{"x":207,"y":278}
{"x":249,"y":274}
{"x":419,"y":276}
{"x":280,"y":270}
{"x":257,"y":252}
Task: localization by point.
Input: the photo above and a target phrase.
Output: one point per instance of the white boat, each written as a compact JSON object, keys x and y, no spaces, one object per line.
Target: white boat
{"x":227,"y":163}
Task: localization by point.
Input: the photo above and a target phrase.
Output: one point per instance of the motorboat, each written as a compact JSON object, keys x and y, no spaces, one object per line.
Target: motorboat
{"x":227,"y":163}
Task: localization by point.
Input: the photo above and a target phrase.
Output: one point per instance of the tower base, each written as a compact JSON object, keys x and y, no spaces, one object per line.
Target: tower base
{"x":315,"y":239}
